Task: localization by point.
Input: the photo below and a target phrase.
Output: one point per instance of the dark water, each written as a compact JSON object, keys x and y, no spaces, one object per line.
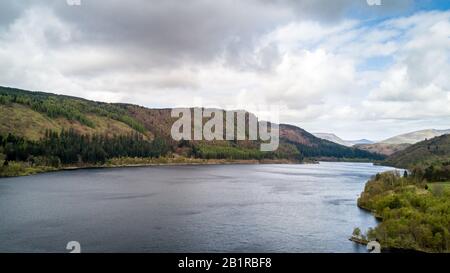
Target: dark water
{"x":232,"y":208}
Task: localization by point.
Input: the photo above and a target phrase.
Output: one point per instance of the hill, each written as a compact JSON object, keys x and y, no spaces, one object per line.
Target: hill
{"x":23,"y":121}
{"x":312,"y":146}
{"x":29,"y":114}
{"x":359,"y":141}
{"x":423,"y":153}
{"x":70,"y":130}
{"x":414,"y":137}
{"x":383,"y":148}
{"x":338,"y":140}
{"x":398,"y":143}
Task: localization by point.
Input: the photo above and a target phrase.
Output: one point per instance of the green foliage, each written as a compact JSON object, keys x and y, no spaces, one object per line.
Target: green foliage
{"x":289,"y":151}
{"x":325,"y":148}
{"x":2,"y":157}
{"x":238,"y":153}
{"x":52,"y":161}
{"x":137,"y":161}
{"x":234,"y":152}
{"x":68,"y":107}
{"x":22,"y":169}
{"x":357,"y":232}
{"x":151,"y":122}
{"x":412,"y":217}
{"x":69,"y":147}
{"x":437,"y":188}
{"x":439,"y":172}
{"x":423,"y":154}
{"x":227,"y":152}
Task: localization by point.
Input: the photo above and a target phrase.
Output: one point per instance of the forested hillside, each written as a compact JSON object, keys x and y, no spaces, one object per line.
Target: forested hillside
{"x":414,"y":206}
{"x":311,"y":146}
{"x":424,"y":153}
{"x":382,"y":148}
{"x":43,"y":129}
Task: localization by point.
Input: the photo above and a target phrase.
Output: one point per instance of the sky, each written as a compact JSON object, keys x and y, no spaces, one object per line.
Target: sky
{"x":342,"y":66}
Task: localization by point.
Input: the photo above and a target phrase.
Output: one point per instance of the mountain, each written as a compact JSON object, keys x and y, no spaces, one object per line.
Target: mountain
{"x":338,"y":140}
{"x":31,"y":121}
{"x":312,"y":146}
{"x":398,"y":143}
{"x":423,"y":153}
{"x":332,"y":137}
{"x":414,"y":137}
{"x":383,"y":148}
{"x":359,"y":141}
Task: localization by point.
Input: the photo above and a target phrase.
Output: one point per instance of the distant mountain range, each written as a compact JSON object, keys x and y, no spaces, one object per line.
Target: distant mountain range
{"x":334,"y":138}
{"x":398,"y":143}
{"x":414,"y":137}
{"x":389,"y":146}
{"x":383,"y":148}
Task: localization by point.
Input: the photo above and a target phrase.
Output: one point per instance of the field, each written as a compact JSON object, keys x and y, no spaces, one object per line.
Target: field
{"x":435,"y":185}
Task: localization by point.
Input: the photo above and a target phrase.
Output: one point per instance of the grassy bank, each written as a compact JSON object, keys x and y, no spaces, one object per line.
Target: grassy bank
{"x":23,"y":169}
{"x":438,"y":187}
{"x":14,"y":169}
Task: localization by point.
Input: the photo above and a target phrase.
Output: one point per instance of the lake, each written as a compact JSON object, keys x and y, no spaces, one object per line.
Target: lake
{"x":207,"y":208}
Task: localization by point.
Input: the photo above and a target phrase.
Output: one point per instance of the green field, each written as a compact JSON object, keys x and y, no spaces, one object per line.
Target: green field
{"x":434,"y":185}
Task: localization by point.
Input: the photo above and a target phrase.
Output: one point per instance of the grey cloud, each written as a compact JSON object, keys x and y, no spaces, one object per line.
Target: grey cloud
{"x":151,"y":34}
{"x":201,"y":30}
{"x":167,"y":32}
{"x":157,"y":53}
{"x":330,"y":11}
{"x":9,"y":11}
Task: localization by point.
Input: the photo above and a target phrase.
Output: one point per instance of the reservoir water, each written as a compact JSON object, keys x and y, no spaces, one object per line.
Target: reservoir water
{"x":209,"y":208}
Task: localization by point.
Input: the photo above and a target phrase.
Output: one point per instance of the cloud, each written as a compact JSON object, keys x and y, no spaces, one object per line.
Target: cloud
{"x":167,"y":33}
{"x":332,"y":71}
{"x":417,"y":84}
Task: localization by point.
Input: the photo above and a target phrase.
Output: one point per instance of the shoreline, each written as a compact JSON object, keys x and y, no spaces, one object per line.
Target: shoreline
{"x":154,"y":163}
{"x":379,"y":218}
{"x":365,"y":242}
{"x":211,"y":162}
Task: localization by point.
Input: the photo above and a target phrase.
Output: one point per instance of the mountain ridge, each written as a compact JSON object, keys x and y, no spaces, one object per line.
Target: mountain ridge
{"x":400,"y":142}
{"x":31,"y":115}
{"x":334,"y":138}
{"x":415,"y":136}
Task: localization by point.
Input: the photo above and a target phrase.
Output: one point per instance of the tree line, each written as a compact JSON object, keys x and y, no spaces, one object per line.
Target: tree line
{"x":336,"y":151}
{"x":437,"y":171}
{"x":70,"y":147}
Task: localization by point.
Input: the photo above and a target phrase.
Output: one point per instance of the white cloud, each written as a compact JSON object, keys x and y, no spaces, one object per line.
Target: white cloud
{"x":323,"y":73}
{"x":417,"y":86}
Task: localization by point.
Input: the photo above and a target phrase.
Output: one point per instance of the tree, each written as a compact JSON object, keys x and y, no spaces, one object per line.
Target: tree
{"x":357,"y":232}
{"x":2,"y":159}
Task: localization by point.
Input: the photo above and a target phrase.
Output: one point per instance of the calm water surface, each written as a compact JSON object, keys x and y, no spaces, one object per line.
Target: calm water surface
{"x":230,"y":208}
